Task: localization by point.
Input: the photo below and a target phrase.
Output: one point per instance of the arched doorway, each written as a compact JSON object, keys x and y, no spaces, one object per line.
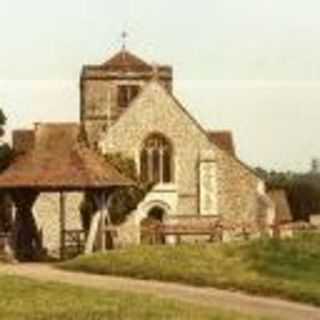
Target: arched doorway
{"x":150,"y":226}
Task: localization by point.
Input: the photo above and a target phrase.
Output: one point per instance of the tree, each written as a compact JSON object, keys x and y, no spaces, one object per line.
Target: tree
{"x":5,"y":158}
{"x":262,"y":173}
{"x":6,"y":221}
{"x":3,"y":120}
{"x":5,"y":150}
{"x":123,"y":200}
{"x":304,"y":195}
{"x":303,"y":190}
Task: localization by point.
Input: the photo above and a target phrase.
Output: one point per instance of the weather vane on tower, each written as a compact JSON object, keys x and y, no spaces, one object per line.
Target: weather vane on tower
{"x":124,"y":36}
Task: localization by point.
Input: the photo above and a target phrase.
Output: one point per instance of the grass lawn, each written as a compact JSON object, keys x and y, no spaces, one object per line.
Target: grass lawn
{"x":285,"y":268}
{"x":22,"y":299}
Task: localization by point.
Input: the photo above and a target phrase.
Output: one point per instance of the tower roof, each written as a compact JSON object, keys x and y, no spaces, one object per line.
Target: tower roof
{"x":126,"y":60}
{"x":125,"y":64}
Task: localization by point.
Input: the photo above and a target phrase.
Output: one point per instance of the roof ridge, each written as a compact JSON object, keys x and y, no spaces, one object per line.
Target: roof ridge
{"x":85,"y":153}
{"x":193,"y":119}
{"x":125,"y":58}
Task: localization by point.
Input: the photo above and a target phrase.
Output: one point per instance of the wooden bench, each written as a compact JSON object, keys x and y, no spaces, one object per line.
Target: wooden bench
{"x":214,"y":232}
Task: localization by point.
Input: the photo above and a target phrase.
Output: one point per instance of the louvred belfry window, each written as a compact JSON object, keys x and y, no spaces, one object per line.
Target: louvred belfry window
{"x":156,"y":160}
{"x":126,"y":93}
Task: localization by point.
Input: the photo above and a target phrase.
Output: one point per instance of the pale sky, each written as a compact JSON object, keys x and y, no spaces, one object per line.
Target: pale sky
{"x":252,"y":66}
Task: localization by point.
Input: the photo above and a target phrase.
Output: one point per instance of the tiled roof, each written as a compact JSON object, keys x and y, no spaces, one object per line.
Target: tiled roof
{"x":222,"y":139}
{"x":59,"y":161}
{"x":125,"y":60}
{"x":23,"y":139}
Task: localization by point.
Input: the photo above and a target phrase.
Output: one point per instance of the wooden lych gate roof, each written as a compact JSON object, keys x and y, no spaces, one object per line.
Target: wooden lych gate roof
{"x":54,"y":159}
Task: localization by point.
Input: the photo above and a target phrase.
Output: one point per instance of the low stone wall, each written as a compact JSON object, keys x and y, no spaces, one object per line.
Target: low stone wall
{"x":46,"y":212}
{"x":128,"y":233}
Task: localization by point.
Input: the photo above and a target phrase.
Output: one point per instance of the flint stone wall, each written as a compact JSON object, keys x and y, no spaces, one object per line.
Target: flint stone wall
{"x":156,"y":111}
{"x":46,"y":212}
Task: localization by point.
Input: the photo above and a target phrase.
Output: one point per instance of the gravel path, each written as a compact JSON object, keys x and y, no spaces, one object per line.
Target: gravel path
{"x":247,"y":304}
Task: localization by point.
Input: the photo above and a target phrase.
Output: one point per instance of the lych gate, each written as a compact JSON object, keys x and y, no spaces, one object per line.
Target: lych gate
{"x":57,"y":161}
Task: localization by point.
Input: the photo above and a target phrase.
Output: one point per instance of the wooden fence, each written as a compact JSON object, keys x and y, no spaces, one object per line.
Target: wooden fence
{"x":215,"y":232}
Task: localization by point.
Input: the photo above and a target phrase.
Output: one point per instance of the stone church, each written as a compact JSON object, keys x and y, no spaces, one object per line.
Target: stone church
{"x":128,"y":106}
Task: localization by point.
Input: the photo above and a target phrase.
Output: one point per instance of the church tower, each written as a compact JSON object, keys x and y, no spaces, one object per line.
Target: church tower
{"x":107,"y":90}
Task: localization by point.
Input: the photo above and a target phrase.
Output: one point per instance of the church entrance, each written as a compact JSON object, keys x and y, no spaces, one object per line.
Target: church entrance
{"x":150,"y":226}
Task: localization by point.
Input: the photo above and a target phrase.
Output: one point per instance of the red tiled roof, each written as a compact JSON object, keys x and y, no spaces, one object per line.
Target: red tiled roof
{"x":125,"y":60}
{"x":222,"y":139}
{"x":23,"y":140}
{"x":59,"y":161}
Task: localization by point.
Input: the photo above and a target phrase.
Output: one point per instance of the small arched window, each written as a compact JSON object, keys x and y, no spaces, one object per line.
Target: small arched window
{"x":156,"y":160}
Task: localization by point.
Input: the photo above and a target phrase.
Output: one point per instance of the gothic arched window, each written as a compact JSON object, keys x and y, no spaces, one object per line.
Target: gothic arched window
{"x":156,"y":160}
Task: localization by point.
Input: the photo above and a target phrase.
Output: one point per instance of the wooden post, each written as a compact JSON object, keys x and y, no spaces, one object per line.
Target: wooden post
{"x":103,"y":223}
{"x":62,"y":220}
{"x":92,"y":235}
